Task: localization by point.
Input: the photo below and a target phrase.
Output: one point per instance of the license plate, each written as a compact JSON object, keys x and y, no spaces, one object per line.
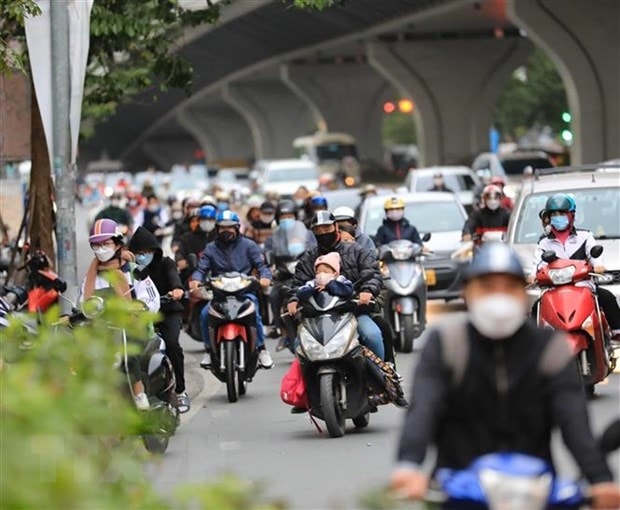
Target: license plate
{"x":431,"y":277}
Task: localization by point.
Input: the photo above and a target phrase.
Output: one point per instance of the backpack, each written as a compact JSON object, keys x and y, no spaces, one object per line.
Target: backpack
{"x":293,"y":387}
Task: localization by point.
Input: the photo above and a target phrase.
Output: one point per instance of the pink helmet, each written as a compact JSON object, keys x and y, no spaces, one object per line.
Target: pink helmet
{"x":105,"y":229}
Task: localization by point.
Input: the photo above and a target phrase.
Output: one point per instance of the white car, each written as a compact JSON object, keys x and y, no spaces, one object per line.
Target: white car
{"x":597,"y":194}
{"x":284,"y":176}
{"x":460,"y":179}
{"x":443,"y":216}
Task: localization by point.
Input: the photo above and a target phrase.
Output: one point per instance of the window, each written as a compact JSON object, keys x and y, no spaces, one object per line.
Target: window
{"x":292,"y":174}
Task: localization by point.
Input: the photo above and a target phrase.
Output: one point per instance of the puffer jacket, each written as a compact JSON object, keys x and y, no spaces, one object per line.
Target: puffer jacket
{"x":357,"y":264}
{"x":395,"y":230}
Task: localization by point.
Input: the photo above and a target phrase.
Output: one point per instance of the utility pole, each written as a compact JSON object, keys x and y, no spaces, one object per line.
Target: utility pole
{"x":64,"y":172}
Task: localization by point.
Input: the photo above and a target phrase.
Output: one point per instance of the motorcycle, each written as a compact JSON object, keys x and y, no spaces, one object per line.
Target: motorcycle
{"x":44,"y":285}
{"x":405,"y":280}
{"x":156,"y":373}
{"x":339,"y":382}
{"x":232,"y":328}
{"x":506,"y":481}
{"x":569,"y":307}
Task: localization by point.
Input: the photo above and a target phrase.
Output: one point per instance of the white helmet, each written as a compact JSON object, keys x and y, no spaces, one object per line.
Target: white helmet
{"x":344,"y":213}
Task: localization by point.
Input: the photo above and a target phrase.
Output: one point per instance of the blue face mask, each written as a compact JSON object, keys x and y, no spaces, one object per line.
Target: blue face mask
{"x":144,"y":259}
{"x":222,"y":206}
{"x":559,"y":222}
{"x":296,"y":248}
{"x":287,"y":223}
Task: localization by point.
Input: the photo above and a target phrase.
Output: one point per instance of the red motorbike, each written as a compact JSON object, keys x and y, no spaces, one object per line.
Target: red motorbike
{"x":575,"y":309}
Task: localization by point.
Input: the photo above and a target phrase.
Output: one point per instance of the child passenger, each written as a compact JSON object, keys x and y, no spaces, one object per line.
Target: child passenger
{"x":327,"y":279}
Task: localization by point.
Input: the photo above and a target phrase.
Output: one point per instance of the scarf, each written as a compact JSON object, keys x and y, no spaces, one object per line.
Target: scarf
{"x":121,"y":286}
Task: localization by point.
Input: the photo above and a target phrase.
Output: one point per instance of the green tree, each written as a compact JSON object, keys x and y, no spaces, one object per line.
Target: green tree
{"x":398,"y":128}
{"x":535,"y":95}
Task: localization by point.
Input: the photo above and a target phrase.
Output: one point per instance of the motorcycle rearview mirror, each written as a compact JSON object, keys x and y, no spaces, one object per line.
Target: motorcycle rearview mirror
{"x":596,"y":251}
{"x":426,"y":237}
{"x":549,"y":256}
{"x":92,"y":307}
{"x":192,"y":259}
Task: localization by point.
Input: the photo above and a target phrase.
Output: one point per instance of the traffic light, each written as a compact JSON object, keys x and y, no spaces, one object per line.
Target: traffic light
{"x":566,"y":134}
{"x":403,"y":106}
{"x":389,"y":107}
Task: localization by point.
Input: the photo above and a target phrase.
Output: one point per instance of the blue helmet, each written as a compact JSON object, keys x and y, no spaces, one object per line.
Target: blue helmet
{"x":227,"y":219}
{"x":318,"y":201}
{"x":561,"y":202}
{"x":207,"y":212}
{"x":494,"y":258}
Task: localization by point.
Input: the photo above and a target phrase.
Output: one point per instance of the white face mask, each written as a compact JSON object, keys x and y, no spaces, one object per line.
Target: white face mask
{"x":497,"y":316}
{"x":493,"y":203}
{"x":104,"y":254}
{"x":395,"y":215}
{"x":267,"y":218}
{"x":207,"y":225}
{"x":324,"y":278}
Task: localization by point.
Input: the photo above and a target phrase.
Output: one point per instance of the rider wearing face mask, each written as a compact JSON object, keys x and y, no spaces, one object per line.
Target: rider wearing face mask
{"x":357,"y":265}
{"x":152,"y":264}
{"x":395,"y":225}
{"x":232,"y":252}
{"x":327,"y":279}
{"x":571,"y":243}
{"x":491,"y":381}
{"x":202,"y":231}
{"x":490,"y":218}
{"x":115,"y":211}
{"x":262,"y":229}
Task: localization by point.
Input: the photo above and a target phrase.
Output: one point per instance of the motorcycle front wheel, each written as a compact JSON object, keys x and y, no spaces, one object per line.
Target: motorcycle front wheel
{"x":407,"y":333}
{"x":330,"y":405}
{"x":156,"y":443}
{"x":230,"y":355}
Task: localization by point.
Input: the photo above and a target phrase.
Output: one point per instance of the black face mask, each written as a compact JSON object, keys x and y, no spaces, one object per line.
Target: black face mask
{"x":349,"y":229}
{"x":326,"y":240}
{"x":226,"y":237}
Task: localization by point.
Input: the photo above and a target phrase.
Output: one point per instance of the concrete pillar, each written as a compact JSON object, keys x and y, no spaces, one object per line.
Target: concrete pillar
{"x":348,"y":97}
{"x":273,"y":113}
{"x":221,"y":132}
{"x":454,"y":84}
{"x":583,"y":40}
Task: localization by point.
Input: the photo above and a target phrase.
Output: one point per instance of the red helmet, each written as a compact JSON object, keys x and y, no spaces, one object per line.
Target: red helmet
{"x":492,"y":190}
{"x":498,"y":181}
{"x":105,"y":229}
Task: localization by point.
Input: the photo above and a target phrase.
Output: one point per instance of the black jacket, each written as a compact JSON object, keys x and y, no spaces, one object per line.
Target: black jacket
{"x":162,"y":270}
{"x":485,"y":220}
{"x":193,"y":241}
{"x":356,"y":264}
{"x":474,"y":417}
{"x":394,"y":230}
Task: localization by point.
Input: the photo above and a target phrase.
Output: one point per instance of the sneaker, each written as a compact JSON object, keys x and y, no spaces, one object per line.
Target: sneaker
{"x":183,"y":403}
{"x":298,"y":410}
{"x":264,"y":359}
{"x":274,"y":333}
{"x":205,"y":362}
{"x":401,"y":401}
{"x":142,"y":402}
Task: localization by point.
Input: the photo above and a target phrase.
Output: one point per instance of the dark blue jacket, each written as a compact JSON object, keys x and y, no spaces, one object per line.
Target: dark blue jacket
{"x":242,"y":256}
{"x":395,"y":230}
{"x":340,"y":287}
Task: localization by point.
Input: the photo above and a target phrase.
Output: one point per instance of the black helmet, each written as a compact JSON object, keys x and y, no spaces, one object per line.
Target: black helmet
{"x":286,"y":207}
{"x":495,"y":258}
{"x":267,"y":207}
{"x":322,"y":218}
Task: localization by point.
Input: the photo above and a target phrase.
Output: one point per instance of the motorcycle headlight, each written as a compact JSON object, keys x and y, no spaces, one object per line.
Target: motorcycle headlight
{"x":509,"y":492}
{"x":335,"y":348}
{"x":402,"y":252}
{"x":385,"y":270}
{"x":92,"y":307}
{"x":588,"y":326}
{"x":562,"y":276}
{"x":231,"y":284}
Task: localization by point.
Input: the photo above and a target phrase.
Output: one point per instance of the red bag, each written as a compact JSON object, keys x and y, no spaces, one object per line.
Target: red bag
{"x":293,"y":387}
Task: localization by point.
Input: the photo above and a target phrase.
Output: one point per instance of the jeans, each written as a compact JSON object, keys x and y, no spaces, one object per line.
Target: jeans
{"x":370,"y":335}
{"x":260,"y":333}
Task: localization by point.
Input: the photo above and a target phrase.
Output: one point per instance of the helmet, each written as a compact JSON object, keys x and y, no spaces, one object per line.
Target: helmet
{"x":286,"y":207}
{"x":498,"y":181}
{"x":194,"y":212}
{"x":105,"y":229}
{"x":322,"y":218}
{"x":222,"y":196}
{"x":394,"y":203}
{"x":344,"y":213}
{"x":490,"y":190}
{"x":560,"y":202}
{"x":267,"y":207}
{"x":208,"y":200}
{"x":318,"y":201}
{"x":254,"y":202}
{"x":227,"y":219}
{"x":369,"y":188}
{"x":207,"y":212}
{"x":494,"y":258}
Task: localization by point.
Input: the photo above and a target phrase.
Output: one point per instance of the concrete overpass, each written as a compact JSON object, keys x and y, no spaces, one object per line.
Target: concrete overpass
{"x":268,"y":73}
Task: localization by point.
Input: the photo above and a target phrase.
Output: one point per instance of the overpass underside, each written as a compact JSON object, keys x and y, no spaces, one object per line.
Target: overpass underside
{"x":269,"y":73}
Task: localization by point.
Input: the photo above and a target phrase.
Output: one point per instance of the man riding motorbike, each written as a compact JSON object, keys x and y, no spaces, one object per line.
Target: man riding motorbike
{"x":570,"y":243}
{"x":347,"y":224}
{"x":231,"y":252}
{"x":262,"y":229}
{"x":490,"y":218}
{"x":395,"y":225}
{"x":202,"y":231}
{"x":491,"y":381}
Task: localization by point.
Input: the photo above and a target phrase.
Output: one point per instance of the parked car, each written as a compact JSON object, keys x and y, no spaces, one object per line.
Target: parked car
{"x":284,"y":176}
{"x":460,"y":179}
{"x":597,"y":194}
{"x":443,"y":216}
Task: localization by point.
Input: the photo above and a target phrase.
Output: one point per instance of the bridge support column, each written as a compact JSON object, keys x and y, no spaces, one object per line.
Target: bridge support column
{"x":273,"y":113}
{"x":583,"y":40}
{"x":454,"y":84}
{"x":221,"y":132}
{"x":347,"y":97}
